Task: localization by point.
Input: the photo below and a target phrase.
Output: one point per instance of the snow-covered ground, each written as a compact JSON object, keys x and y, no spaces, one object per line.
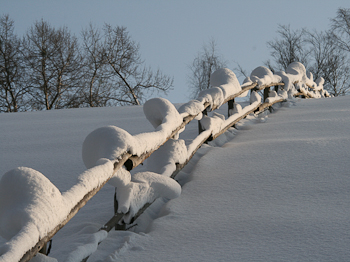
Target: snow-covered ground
{"x":278,"y":191}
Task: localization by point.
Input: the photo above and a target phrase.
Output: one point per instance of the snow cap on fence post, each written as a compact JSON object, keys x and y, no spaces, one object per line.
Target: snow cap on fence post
{"x":225,"y":79}
{"x":262,"y":75}
{"x":162,"y":114}
{"x":299,"y":70}
{"x":160,"y":111}
{"x":108,"y":142}
{"x":28,"y":200}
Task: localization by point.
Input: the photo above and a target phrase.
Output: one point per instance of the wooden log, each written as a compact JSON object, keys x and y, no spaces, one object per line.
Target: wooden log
{"x":265,"y":105}
{"x":223,"y":130}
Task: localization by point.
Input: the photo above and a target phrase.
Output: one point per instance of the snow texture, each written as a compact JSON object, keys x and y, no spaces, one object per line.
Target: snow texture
{"x":31,"y":205}
{"x":214,"y":96}
{"x":145,"y":187}
{"x":86,"y":250}
{"x":226,"y":80}
{"x":268,"y":207}
{"x":263,"y":76}
{"x":160,"y":111}
{"x":297,"y":69}
{"x":319,"y":84}
{"x":108,"y":142}
{"x":111,"y":142}
{"x":255,"y":97}
{"x":163,"y":160}
{"x":191,"y":108}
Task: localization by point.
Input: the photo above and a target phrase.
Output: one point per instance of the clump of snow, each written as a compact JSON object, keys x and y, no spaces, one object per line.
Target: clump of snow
{"x":160,"y":111}
{"x":310,"y":76}
{"x":163,"y":161}
{"x":27,"y":197}
{"x":106,"y":142}
{"x":148,"y":186}
{"x":263,"y":76}
{"x":86,"y":250}
{"x":255,"y":97}
{"x":165,"y":118}
{"x":226,"y":80}
{"x":30,"y":207}
{"x":237,"y":108}
{"x":310,"y":80}
{"x":291,"y":93}
{"x":213,"y":123}
{"x":135,"y":191}
{"x":297,"y":69}
{"x":43,"y":258}
{"x":283,"y":93}
{"x":272,"y":93}
{"x":110,"y":142}
{"x":246,"y":82}
{"x":121,"y":178}
{"x":288,"y":80}
{"x":214,"y":96}
{"x":319,"y":83}
{"x":193,"y":107}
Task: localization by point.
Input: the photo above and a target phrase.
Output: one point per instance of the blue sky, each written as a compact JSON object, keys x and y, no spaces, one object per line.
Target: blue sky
{"x":171,"y":33}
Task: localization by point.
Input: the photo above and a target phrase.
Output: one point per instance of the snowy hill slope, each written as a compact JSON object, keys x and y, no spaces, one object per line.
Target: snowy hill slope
{"x":277,"y":191}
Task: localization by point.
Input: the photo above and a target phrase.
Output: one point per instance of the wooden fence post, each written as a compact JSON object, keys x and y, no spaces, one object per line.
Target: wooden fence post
{"x":230,"y":105}
{"x":200,"y":128}
{"x":266,"y":93}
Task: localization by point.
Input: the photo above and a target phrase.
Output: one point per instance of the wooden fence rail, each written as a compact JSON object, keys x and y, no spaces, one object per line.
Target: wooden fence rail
{"x":131,"y":161}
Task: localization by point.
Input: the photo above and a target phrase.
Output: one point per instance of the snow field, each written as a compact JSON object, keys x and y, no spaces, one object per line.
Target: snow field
{"x":103,"y":147}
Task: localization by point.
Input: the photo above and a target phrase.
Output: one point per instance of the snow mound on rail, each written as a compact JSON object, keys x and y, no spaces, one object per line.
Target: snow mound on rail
{"x":263,"y":76}
{"x":27,"y":196}
{"x":111,"y":142}
{"x":160,"y":111}
{"x":29,"y":206}
{"x":225,"y":79}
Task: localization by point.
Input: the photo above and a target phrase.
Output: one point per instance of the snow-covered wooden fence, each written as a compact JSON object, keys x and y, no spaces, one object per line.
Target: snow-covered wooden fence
{"x":109,"y":153}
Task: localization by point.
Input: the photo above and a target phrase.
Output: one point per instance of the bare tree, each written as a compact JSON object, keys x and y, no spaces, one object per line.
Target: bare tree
{"x":341,"y":28}
{"x":53,"y":61}
{"x":12,"y":88}
{"x":289,"y":47}
{"x":130,"y":79}
{"x":97,"y":89}
{"x":204,"y":64}
{"x":330,"y":62}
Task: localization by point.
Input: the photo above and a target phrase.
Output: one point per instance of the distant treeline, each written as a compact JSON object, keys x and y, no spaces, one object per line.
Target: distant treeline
{"x":50,"y":68}
{"x":324,"y":53}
